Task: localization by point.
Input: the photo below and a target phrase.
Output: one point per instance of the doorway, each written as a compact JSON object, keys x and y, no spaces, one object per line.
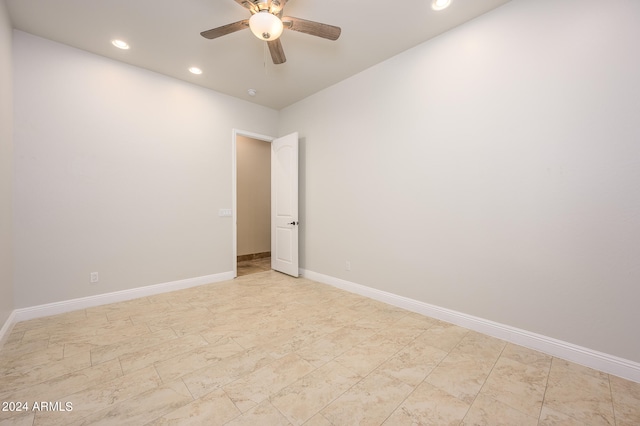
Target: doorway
{"x":253,"y":204}
{"x":283,"y":189}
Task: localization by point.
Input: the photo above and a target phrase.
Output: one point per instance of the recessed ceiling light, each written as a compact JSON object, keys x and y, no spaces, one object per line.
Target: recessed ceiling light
{"x":120,"y":44}
{"x":440,"y":4}
{"x":252,"y":92}
{"x":195,"y":70}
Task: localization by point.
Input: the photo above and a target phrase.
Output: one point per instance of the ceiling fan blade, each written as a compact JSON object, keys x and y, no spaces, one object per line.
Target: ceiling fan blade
{"x":225,"y":29}
{"x":277,"y":52}
{"x":317,"y":29}
{"x":248,"y":5}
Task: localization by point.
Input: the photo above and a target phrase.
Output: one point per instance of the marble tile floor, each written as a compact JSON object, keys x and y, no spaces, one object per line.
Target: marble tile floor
{"x":246,"y":267}
{"x":268,"y":349}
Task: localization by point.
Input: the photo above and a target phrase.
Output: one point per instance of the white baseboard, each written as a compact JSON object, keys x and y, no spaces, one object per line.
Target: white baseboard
{"x":610,"y":364}
{"x":5,"y":331}
{"x":39,"y":311}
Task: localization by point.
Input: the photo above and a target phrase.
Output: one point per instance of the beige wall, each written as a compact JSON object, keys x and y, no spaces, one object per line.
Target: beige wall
{"x":120,"y":171}
{"x":6,"y":167}
{"x":254,"y":195}
{"x":493,"y":171}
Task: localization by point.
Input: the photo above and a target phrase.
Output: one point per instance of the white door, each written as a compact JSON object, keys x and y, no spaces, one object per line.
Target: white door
{"x":284,"y":204}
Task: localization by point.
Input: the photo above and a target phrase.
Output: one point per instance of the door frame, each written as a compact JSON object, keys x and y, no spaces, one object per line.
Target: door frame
{"x":234,"y":186}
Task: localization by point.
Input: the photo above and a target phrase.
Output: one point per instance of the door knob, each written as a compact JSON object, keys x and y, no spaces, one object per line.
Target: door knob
{"x":293,"y":223}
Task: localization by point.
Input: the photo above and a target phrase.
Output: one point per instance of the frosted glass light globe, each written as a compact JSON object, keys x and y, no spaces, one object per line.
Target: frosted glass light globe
{"x":265,"y":26}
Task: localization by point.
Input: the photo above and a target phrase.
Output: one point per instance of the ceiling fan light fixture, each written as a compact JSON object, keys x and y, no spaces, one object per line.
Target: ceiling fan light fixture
{"x":265,"y":26}
{"x":440,"y":4}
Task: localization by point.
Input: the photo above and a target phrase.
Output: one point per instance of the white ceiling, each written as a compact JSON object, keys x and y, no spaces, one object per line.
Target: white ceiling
{"x":165,"y":37}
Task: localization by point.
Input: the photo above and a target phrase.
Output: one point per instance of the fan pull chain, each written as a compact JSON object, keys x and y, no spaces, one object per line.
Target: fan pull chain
{"x":265,"y":58}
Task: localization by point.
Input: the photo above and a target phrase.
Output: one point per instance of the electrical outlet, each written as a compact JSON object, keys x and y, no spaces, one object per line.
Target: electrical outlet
{"x":347,"y":265}
{"x":94,"y":277}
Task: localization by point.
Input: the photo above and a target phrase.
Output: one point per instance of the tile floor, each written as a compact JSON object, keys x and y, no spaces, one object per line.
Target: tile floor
{"x":246,"y":267}
{"x":267,"y":349}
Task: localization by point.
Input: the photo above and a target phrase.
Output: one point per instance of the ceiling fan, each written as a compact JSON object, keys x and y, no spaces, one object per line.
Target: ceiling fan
{"x":267,"y":23}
